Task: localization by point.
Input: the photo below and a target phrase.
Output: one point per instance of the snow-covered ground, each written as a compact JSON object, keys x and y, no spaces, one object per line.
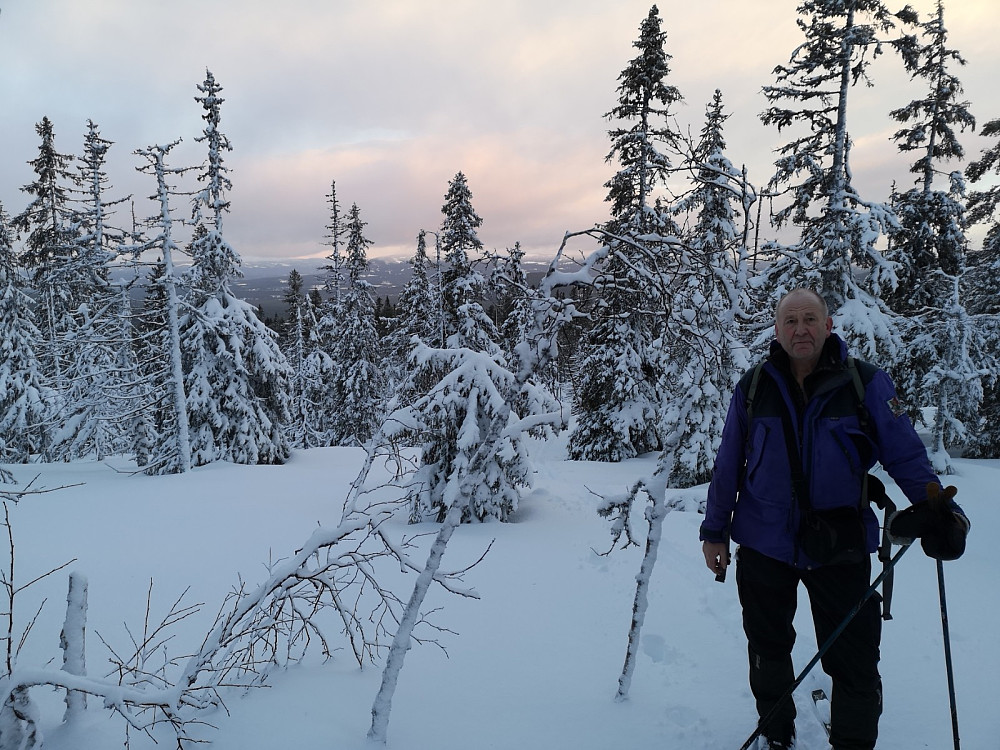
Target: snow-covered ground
{"x":533,"y":664}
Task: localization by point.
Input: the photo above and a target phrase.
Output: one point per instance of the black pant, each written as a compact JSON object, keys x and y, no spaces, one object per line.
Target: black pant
{"x":768,"y":593}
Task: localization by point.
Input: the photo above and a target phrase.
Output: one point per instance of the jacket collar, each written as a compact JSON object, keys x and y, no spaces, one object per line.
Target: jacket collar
{"x":830,"y":372}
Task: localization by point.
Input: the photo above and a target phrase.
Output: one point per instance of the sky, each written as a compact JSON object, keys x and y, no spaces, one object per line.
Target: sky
{"x":391,"y":99}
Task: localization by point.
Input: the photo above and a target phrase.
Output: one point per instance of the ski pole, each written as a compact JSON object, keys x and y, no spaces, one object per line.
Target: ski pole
{"x":947,"y":654}
{"x":823,"y":649}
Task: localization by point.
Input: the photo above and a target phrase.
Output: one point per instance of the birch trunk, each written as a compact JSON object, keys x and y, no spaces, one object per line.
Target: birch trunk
{"x":402,"y":641}
{"x":655,"y":514}
{"x":73,"y":640}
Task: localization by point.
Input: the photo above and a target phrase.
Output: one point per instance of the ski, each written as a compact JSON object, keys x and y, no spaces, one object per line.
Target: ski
{"x":821,"y":707}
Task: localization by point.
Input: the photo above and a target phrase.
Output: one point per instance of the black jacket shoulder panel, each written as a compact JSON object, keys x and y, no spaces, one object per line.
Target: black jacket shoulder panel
{"x":866,"y":370}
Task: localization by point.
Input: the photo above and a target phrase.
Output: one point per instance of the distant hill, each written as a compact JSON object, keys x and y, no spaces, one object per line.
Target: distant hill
{"x":264,"y":282}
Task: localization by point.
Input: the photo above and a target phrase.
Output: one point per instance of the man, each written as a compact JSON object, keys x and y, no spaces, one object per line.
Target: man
{"x":803,"y":452}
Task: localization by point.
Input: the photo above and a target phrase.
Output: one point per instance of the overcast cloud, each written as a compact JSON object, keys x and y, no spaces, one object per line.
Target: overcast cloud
{"x":392,"y":98}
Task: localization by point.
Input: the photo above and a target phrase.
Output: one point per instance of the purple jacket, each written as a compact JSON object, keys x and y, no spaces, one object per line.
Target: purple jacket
{"x":750,"y":497}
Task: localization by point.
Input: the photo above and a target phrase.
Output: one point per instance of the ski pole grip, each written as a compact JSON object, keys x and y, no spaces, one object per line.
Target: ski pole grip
{"x":721,"y":577}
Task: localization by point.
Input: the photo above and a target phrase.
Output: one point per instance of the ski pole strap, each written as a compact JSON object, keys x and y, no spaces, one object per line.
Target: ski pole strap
{"x":885,"y":555}
{"x":823,"y":649}
{"x":885,"y":504}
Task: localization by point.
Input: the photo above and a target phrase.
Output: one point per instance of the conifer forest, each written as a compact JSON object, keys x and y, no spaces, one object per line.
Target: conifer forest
{"x":123,"y":334}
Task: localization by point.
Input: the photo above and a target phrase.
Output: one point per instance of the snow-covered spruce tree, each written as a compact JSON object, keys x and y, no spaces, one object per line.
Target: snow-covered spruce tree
{"x":982,"y":207}
{"x":465,"y":323}
{"x":981,"y":288}
{"x":318,"y":405}
{"x":472,"y":441}
{"x":102,"y":380}
{"x":107,"y":244}
{"x":469,"y":419}
{"x":838,"y":228}
{"x":533,"y":333}
{"x":416,"y":314}
{"x":922,"y":250}
{"x":163,"y":366}
{"x":456,"y":390}
{"x":294,"y":340}
{"x":50,"y":226}
{"x":360,"y":384}
{"x":105,"y":391}
{"x":620,"y":364}
{"x":513,"y":305}
{"x":236,"y":380}
{"x":385,"y":315}
{"x":558,"y":305}
{"x":23,"y":393}
{"x":149,"y":317}
{"x":236,"y":377}
{"x":292,"y":327}
{"x":707,"y":354}
{"x":942,"y":339}
{"x":474,"y":464}
{"x":321,"y":368}
{"x":335,"y":240}
{"x":955,"y":346}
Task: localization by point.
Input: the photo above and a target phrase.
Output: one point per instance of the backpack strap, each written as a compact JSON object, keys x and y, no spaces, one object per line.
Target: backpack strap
{"x":859,"y":387}
{"x":864,"y":418}
{"x":752,"y":391}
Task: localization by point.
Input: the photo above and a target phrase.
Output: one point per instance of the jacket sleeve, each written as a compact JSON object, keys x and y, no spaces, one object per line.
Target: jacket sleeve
{"x":900,"y":449}
{"x":728,"y":471}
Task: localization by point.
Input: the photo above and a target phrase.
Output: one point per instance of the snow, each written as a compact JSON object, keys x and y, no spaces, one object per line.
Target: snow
{"x":533,"y":664}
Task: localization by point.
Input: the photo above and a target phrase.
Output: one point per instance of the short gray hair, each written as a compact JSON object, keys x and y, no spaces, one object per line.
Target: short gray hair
{"x":804,"y":290}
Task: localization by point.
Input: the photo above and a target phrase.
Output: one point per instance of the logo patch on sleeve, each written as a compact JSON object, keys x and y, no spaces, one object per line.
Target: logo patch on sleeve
{"x":896,"y":407}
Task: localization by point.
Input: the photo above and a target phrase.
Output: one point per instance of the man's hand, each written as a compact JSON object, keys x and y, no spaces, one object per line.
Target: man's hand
{"x":940,"y":528}
{"x":716,"y":558}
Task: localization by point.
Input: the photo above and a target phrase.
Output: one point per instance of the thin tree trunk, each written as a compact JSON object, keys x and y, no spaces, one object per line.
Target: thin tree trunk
{"x":402,"y":641}
{"x":73,"y":641}
{"x":655,"y":514}
{"x":173,"y":327}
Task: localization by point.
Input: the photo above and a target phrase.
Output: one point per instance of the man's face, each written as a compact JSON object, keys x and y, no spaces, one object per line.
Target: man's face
{"x":802,"y":328}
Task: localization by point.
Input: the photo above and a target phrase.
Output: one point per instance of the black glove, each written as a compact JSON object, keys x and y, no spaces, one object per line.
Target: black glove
{"x":940,"y":528}
{"x":876,"y":491}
